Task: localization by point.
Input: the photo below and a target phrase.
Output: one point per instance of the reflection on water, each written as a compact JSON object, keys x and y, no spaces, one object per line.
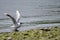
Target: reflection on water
{"x":34,"y":13}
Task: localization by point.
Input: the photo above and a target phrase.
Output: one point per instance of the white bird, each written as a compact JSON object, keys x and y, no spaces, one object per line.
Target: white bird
{"x":16,"y":22}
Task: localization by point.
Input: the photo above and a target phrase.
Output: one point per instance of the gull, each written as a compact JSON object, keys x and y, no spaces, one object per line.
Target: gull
{"x":16,"y":22}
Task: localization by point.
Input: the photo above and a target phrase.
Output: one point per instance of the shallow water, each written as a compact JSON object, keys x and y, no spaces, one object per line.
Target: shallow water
{"x":34,"y":13}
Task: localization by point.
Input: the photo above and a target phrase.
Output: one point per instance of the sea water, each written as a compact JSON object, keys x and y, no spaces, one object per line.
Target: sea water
{"x":34,"y":13}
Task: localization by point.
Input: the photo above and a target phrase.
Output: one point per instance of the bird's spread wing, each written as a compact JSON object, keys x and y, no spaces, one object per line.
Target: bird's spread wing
{"x":14,"y":21}
{"x":17,"y":16}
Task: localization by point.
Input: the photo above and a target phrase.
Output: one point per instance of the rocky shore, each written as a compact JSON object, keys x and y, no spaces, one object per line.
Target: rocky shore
{"x":33,"y":34}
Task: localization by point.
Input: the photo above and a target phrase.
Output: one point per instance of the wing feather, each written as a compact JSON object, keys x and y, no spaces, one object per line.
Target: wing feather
{"x":14,"y":21}
{"x":17,"y":16}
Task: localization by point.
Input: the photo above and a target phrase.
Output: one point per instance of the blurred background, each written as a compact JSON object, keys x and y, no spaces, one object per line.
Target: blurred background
{"x":34,"y":13}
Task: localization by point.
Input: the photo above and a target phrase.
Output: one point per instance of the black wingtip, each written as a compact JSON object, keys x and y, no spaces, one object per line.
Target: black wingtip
{"x":21,"y":23}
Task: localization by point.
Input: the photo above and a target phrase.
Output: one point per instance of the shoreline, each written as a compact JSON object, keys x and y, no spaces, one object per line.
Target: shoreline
{"x":28,"y":28}
{"x":35,"y":34}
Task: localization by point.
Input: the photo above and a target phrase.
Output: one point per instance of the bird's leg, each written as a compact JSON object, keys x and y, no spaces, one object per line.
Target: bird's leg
{"x":16,"y":29}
